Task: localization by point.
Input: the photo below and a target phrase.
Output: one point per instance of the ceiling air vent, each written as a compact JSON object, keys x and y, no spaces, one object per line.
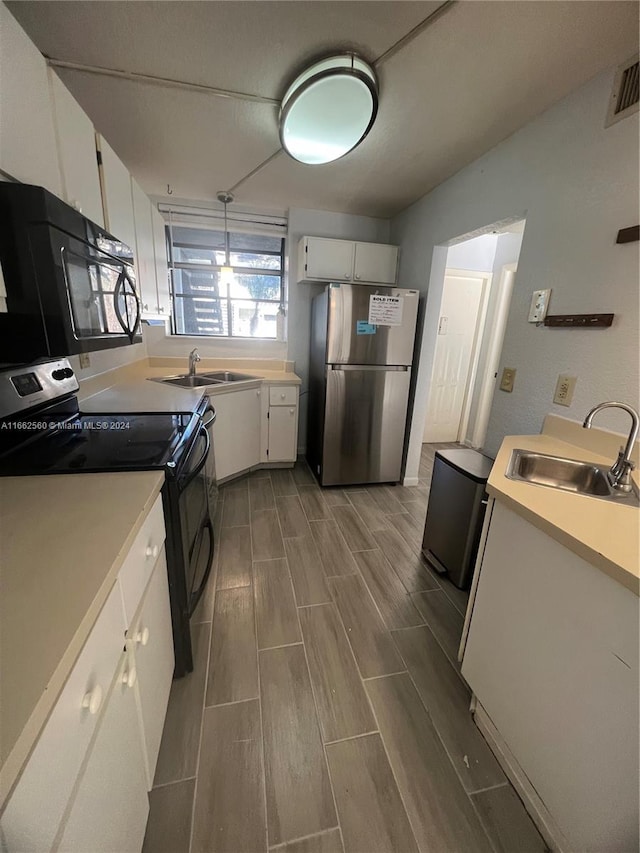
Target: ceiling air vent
{"x":624,"y":96}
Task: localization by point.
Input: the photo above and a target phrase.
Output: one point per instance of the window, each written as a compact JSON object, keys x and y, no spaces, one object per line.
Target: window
{"x":206,"y":303}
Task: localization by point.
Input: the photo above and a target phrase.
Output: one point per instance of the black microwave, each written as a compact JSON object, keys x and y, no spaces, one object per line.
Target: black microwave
{"x":70,"y":286}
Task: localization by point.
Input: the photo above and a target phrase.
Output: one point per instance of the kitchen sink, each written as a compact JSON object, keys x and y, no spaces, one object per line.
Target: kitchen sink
{"x":186,"y":381}
{"x":569,"y":475}
{"x":228,"y":376}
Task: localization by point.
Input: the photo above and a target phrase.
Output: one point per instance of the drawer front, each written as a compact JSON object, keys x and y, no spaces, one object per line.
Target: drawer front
{"x":138,"y":565}
{"x":283,"y":395}
{"x":34,"y":812}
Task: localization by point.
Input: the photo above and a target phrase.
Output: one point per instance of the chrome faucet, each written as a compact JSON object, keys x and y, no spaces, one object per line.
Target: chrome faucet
{"x":619,"y":474}
{"x":194,"y":358}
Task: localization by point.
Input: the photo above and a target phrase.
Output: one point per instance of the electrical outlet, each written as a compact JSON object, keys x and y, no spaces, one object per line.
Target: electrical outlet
{"x":539,"y":305}
{"x":565,"y":386}
{"x":508,"y":378}
{"x":85,"y":360}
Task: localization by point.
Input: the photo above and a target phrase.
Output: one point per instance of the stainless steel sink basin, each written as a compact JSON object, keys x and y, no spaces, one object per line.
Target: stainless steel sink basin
{"x":228,"y":376}
{"x":570,"y":475}
{"x":186,"y":381}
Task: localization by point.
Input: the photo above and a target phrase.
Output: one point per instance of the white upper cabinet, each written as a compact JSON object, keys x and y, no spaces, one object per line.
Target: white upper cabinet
{"x":326,"y":260}
{"x":163,"y":305}
{"x":375,"y":263}
{"x":323,"y":259}
{"x":27,"y":135}
{"x":144,"y":248}
{"x":116,"y":195}
{"x":76,"y":142}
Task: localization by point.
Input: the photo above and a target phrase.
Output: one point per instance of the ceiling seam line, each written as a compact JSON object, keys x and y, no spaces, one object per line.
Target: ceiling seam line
{"x":256,"y":170}
{"x":414,"y":32}
{"x":161,"y":81}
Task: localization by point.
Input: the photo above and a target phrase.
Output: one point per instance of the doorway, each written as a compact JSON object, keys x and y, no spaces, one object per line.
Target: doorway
{"x":470,"y":326}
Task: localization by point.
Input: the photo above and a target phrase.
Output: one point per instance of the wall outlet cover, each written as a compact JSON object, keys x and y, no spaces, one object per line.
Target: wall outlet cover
{"x":565,"y":386}
{"x":85,"y":360}
{"x":539,"y":305}
{"x":508,"y":378}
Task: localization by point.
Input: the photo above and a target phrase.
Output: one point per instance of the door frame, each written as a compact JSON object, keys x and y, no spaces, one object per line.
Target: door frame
{"x":496,"y":341}
{"x":486,"y":278}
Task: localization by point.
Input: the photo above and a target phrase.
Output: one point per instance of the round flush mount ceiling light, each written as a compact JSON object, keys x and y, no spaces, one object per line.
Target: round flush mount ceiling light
{"x":329,"y":109}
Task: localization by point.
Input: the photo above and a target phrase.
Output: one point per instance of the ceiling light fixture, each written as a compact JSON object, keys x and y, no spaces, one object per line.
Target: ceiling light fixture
{"x":329,"y":109}
{"x":226,"y":272}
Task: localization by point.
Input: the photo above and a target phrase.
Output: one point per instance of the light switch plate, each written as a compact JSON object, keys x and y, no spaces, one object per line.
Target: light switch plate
{"x":508,"y":378}
{"x":565,"y":386}
{"x":539,"y":305}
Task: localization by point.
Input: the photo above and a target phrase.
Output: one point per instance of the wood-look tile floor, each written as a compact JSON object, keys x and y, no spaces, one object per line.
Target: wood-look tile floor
{"x":326,"y":712}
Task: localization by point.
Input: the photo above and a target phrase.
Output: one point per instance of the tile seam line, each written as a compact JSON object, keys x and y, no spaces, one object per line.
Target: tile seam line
{"x":204,"y":699}
{"x":283,"y":844}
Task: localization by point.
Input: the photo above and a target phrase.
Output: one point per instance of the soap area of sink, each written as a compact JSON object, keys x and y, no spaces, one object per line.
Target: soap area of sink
{"x":570,"y":475}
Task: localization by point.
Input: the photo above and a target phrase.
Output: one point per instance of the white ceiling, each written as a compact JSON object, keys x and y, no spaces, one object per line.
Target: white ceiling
{"x":477,"y":74}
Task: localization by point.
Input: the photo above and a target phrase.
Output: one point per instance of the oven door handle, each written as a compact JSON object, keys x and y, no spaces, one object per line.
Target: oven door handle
{"x":212,"y":419}
{"x":204,"y":432}
{"x":195,"y":596}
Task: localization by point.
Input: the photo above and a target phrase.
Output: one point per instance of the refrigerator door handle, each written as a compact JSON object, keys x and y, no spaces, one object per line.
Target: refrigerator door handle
{"x":386,"y":367}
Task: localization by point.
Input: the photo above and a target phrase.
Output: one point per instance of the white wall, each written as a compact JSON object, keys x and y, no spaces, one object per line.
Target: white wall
{"x":476,"y":254}
{"x":576,"y":184}
{"x":318,"y":223}
{"x":159,"y":343}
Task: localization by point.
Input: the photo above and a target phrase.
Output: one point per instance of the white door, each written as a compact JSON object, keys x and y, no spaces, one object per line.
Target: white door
{"x":457,"y":331}
{"x":110,"y":809}
{"x":329,"y":260}
{"x":145,"y":254}
{"x":116,"y":195}
{"x":163,"y":297}
{"x":283,"y":434}
{"x":236,"y":432}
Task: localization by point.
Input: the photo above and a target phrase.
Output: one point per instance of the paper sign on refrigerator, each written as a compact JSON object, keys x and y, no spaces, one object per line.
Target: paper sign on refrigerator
{"x":385,"y":310}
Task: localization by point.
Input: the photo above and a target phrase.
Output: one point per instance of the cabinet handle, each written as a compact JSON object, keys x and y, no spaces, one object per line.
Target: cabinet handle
{"x":129,"y":677}
{"x":93,"y":700}
{"x":258,"y":393}
{"x":282,"y":396}
{"x":142,"y":637}
{"x":346,"y":275}
{"x":152,"y":551}
{"x":357,"y":276}
{"x":292,"y":411}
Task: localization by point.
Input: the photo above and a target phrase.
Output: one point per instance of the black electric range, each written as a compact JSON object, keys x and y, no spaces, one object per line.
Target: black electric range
{"x":43,"y":431}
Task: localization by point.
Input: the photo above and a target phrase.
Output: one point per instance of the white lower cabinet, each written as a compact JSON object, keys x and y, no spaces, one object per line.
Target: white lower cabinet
{"x":236,"y":432}
{"x":552,"y":658}
{"x":84,"y":787}
{"x":110,"y":808}
{"x":151,"y":642}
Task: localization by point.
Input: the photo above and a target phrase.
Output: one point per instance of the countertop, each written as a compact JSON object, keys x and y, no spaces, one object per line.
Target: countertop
{"x":140,"y":394}
{"x":605,"y":533}
{"x":63,"y":541}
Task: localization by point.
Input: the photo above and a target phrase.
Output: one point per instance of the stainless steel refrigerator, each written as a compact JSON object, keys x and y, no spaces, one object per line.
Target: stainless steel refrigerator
{"x":362,"y":339}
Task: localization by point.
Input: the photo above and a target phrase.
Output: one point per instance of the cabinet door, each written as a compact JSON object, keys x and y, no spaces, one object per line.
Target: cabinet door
{"x":376,"y":263}
{"x":110,"y":808}
{"x":163,"y":297}
{"x":145,"y":254}
{"x":33,"y":814}
{"x":283,"y":433}
{"x":236,"y":432}
{"x":28,"y":142}
{"x":76,"y":140}
{"x":328,"y":260}
{"x":117,"y":203}
{"x":152,"y":642}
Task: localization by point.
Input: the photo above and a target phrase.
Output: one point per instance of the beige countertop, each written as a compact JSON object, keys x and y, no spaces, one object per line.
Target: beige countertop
{"x":137,"y":393}
{"x":605,"y":533}
{"x":63,"y":539}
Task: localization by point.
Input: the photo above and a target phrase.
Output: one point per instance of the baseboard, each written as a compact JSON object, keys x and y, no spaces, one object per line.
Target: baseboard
{"x":538,"y":812}
{"x":410,"y":481}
